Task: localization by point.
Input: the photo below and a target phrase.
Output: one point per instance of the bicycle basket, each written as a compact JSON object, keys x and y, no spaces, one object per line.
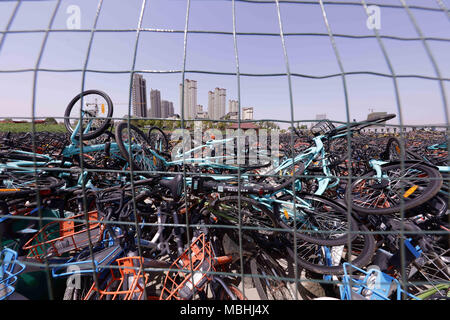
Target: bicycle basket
{"x":10,"y":268}
{"x":322,"y":127}
{"x":128,"y":284}
{"x":373,"y":285}
{"x":59,"y":237}
{"x":181,"y":285}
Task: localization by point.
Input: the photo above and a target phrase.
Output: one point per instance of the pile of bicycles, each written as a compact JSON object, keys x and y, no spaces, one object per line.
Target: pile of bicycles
{"x":110,"y":211}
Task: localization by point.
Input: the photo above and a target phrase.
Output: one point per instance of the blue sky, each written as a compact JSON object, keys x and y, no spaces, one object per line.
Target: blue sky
{"x":421,"y":99}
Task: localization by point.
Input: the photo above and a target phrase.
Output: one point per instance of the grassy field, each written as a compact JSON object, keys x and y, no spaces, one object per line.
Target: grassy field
{"x":26,"y":127}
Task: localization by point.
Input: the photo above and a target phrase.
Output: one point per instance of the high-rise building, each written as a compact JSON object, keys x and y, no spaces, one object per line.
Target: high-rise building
{"x":190,"y":98}
{"x":155,"y":100}
{"x":171,"y":110}
{"x":165,"y":109}
{"x":220,"y":102}
{"x":247,"y":113}
{"x":217,"y":103}
{"x":211,"y":105}
{"x":139,"y":96}
{"x":233,"y":106}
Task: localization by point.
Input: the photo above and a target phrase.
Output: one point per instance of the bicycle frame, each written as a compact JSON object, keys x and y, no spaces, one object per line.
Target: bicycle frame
{"x":307,"y":158}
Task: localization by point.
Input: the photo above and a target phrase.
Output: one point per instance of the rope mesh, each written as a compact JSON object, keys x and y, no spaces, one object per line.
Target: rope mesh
{"x":136,"y":38}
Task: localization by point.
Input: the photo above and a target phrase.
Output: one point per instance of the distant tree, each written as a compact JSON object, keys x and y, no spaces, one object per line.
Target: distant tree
{"x":176,"y":124}
{"x":50,"y":121}
{"x":222,"y":126}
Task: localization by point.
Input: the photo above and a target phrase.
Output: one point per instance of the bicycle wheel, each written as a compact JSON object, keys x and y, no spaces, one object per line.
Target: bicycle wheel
{"x":96,"y":112}
{"x":158,"y":139}
{"x":318,"y":219}
{"x":252,"y":214}
{"x":393,"y":152}
{"x":223,"y":295}
{"x":14,"y":184}
{"x":329,"y":260}
{"x":142,"y":158}
{"x":414,"y":186}
{"x":337,"y":151}
{"x":431,"y":268}
{"x":268,"y":282}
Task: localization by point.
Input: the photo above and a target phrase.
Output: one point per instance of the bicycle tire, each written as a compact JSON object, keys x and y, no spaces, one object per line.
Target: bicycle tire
{"x":309,"y":289}
{"x":223,"y":295}
{"x":73,"y":293}
{"x":394,"y":144}
{"x":317,"y":237}
{"x":102,"y":128}
{"x":365,"y":248}
{"x":150,"y":162}
{"x":428,"y":191}
{"x":265,"y":285}
{"x":337,"y":150}
{"x":268,"y":217}
{"x":25,"y":184}
{"x":165,"y":140}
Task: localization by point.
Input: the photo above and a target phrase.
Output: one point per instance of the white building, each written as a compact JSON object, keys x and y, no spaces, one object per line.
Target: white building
{"x":232,"y":115}
{"x":220,"y":102}
{"x":190,"y":98}
{"x":202,"y":115}
{"x":217,"y":103}
{"x":321,"y":116}
{"x":247,"y":113}
{"x":233,"y":106}
{"x":381,"y":127}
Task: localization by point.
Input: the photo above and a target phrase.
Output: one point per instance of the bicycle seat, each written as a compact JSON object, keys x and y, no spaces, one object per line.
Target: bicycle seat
{"x":174,"y":185}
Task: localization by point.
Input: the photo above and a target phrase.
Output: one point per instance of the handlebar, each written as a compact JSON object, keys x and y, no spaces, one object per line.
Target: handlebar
{"x":208,"y":184}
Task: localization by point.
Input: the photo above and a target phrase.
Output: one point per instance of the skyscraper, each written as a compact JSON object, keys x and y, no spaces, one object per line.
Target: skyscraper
{"x":233,"y":106}
{"x":171,"y":110}
{"x":220,"y":102}
{"x":155,"y":100}
{"x":139,"y":96}
{"x":217,"y":103}
{"x":190,"y":98}
{"x":211,"y":113}
{"x":165,"y":109}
